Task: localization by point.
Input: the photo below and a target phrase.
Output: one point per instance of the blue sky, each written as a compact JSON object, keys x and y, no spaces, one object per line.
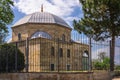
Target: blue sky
{"x":66,"y":9}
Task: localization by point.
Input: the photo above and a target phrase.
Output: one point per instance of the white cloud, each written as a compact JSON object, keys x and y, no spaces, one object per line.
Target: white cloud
{"x":61,"y":8}
{"x":70,"y":19}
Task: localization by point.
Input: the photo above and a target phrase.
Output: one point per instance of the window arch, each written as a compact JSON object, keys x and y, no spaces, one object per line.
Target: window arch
{"x":41,"y":34}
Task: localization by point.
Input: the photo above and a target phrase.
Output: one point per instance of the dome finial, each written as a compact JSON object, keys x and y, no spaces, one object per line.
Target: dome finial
{"x":42,"y":8}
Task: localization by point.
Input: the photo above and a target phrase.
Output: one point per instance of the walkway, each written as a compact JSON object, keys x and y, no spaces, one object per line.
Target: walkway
{"x":116,"y":79}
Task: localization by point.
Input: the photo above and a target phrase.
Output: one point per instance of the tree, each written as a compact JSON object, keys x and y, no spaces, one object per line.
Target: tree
{"x":11,"y":58}
{"x":101,"y":21}
{"x":102,"y":63}
{"x":2,"y":37}
{"x":101,"y":56}
{"x":6,"y":17}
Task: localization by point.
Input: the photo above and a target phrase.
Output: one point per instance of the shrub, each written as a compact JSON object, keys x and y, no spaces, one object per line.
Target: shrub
{"x":102,"y":65}
{"x":117,"y":67}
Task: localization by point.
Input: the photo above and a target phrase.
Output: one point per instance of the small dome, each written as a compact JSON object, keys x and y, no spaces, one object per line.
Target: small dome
{"x":41,"y":17}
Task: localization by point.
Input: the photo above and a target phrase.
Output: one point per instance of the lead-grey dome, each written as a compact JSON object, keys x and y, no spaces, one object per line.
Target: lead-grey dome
{"x":41,"y":17}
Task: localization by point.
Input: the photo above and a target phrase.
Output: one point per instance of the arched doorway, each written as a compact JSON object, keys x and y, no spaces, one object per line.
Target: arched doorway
{"x":85,"y":60}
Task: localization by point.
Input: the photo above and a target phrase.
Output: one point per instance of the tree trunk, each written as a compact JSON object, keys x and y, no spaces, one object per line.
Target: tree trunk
{"x":112,"y":53}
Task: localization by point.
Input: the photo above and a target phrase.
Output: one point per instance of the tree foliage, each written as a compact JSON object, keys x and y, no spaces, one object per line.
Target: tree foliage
{"x":11,"y":58}
{"x":6,"y":17}
{"x":101,"y":21}
{"x":2,"y":37}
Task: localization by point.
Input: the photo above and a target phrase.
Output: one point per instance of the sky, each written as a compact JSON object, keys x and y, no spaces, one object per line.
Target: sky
{"x":66,"y":9}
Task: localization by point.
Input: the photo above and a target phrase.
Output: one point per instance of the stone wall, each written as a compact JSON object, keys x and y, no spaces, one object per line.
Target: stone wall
{"x":27,"y":30}
{"x":96,"y":75}
{"x":102,"y":75}
{"x":47,"y":76}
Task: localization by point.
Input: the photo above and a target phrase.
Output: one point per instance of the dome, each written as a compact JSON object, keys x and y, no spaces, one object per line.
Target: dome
{"x":41,"y":17}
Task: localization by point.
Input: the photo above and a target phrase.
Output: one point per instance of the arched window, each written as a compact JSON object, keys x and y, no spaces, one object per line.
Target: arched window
{"x":68,"y":53}
{"x":85,"y":54}
{"x":41,"y":34}
{"x":19,"y":36}
{"x":61,"y":52}
{"x":63,"y":37}
{"x":85,"y":60}
{"x":52,"y":51}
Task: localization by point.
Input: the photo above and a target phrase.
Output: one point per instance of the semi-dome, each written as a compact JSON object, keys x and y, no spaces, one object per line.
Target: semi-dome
{"x":41,"y":34}
{"x":41,"y":17}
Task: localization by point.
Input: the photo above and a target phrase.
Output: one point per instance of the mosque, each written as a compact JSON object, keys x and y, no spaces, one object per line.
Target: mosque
{"x":45,"y":40}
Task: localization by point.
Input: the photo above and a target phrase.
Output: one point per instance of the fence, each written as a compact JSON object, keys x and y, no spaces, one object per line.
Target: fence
{"x":45,"y":55}
{"x":60,"y":55}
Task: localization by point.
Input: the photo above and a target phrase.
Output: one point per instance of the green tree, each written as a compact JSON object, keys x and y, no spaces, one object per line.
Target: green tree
{"x":102,"y":63}
{"x":6,"y":17}
{"x":11,"y":58}
{"x":101,"y":21}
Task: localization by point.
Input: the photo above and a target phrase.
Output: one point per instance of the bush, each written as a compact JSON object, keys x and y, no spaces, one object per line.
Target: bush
{"x":116,"y":73}
{"x":98,"y":65}
{"x":8,"y":58}
{"x":104,"y":65}
{"x":117,"y":67}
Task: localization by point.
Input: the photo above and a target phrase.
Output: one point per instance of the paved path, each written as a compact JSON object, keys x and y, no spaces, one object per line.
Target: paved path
{"x":116,"y":79}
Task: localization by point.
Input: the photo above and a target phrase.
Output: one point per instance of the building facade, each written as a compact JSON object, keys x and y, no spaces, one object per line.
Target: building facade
{"x":45,"y":40}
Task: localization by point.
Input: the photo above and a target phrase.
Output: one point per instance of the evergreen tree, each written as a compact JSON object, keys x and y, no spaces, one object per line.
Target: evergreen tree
{"x":101,"y":20}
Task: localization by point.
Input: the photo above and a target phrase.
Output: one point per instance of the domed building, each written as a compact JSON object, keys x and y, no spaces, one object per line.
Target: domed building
{"x":45,"y":40}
